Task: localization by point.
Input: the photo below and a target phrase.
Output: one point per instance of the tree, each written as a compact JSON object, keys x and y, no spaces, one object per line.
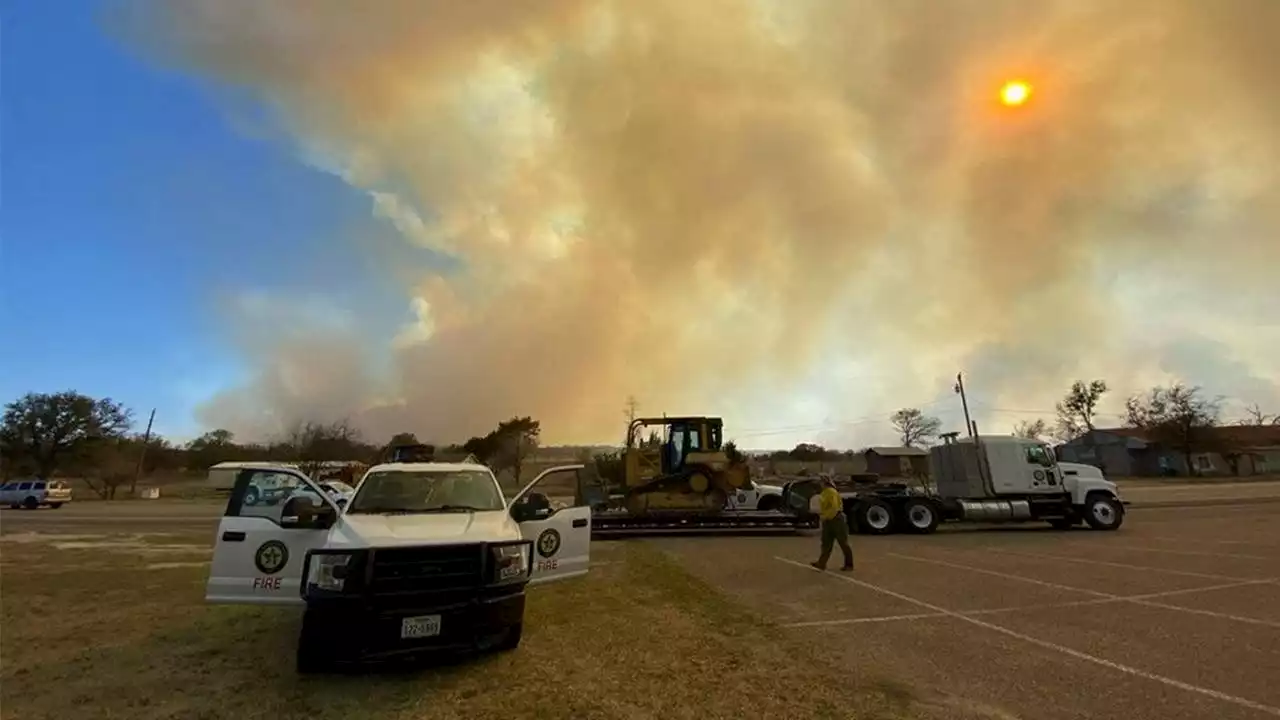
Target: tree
{"x":611,"y":469}
{"x":507,"y":446}
{"x":1078,"y":408}
{"x":1255,"y":416}
{"x":312,"y":444}
{"x":47,"y":430}
{"x":513,"y":442}
{"x":1031,"y":429}
{"x":481,"y":447}
{"x":808,"y":452}
{"x":1177,"y":417}
{"x":404,"y":438}
{"x":107,"y":466}
{"x":734,"y":455}
{"x":212,"y":448}
{"x":914,"y":427}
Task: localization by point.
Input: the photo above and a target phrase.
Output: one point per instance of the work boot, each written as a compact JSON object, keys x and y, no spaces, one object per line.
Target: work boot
{"x":817,"y":566}
{"x":847,"y":568}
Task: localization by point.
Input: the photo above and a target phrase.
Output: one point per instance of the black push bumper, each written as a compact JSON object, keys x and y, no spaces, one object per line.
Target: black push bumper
{"x":356,"y":630}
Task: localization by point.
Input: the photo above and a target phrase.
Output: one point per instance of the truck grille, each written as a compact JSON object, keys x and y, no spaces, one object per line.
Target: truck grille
{"x":426,"y":570}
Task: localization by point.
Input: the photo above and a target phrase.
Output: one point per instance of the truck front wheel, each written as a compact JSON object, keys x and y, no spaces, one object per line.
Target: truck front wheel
{"x":1103,"y":512}
{"x":316,"y":652}
{"x":511,"y":638}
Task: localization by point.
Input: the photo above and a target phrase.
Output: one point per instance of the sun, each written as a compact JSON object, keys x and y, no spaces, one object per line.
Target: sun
{"x":1015,"y":93}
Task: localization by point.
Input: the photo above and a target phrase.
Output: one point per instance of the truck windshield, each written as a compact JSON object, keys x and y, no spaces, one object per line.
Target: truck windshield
{"x":427,"y":491}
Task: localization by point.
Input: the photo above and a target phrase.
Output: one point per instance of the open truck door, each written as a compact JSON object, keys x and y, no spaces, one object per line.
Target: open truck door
{"x":553,"y":516}
{"x":260,"y":550}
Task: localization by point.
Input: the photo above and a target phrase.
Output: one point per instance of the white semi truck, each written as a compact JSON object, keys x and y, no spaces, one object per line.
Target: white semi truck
{"x":984,"y":479}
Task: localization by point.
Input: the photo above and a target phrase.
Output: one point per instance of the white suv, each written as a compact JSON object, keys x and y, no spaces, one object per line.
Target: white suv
{"x":31,"y":494}
{"x":424,"y":557}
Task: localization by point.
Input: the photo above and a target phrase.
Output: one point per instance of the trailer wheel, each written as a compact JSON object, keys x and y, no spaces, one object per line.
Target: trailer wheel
{"x":921,"y":516}
{"x":1103,"y":512}
{"x":875,"y":517}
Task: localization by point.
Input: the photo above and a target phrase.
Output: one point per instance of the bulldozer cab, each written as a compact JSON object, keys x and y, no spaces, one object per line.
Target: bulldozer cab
{"x":678,"y":438}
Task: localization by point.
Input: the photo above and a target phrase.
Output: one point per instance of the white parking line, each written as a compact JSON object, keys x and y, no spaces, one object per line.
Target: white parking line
{"x":1060,"y":558}
{"x":1183,"y":541}
{"x":861,"y":620}
{"x":1191,"y":553}
{"x":1021,"y":608}
{"x":1136,"y":599}
{"x":1061,"y":649}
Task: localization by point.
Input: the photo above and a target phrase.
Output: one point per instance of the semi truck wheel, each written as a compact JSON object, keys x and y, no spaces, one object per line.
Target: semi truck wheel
{"x":875,"y":517}
{"x":1103,"y":512}
{"x":921,"y":516}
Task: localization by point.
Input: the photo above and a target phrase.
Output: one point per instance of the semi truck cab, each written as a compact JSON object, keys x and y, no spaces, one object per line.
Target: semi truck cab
{"x":988,"y":479}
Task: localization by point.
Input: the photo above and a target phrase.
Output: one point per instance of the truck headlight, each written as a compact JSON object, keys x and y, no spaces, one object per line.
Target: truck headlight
{"x":512,"y":562}
{"x":328,"y":571}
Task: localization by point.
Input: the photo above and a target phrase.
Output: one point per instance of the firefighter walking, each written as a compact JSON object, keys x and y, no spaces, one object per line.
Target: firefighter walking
{"x":835,"y":526}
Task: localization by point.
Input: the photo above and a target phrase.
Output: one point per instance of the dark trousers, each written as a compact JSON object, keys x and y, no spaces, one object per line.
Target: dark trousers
{"x":836,"y":530}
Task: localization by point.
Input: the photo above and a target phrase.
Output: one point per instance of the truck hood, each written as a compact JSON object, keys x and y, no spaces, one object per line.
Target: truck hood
{"x":768,"y":489}
{"x":360,"y":530}
{"x":1082,"y":470}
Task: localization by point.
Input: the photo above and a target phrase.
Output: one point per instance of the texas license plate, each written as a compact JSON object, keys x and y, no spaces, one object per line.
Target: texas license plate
{"x":421,"y":626}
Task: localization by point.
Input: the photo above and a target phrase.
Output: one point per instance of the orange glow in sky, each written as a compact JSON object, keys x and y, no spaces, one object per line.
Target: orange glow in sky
{"x":1014,"y":93}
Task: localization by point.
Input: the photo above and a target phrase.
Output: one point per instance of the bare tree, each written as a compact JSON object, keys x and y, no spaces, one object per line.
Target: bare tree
{"x":312,"y":444}
{"x":1077,"y":409}
{"x":107,"y":466}
{"x":1254,"y":416}
{"x":914,"y":427}
{"x":1031,"y":429}
{"x":1178,"y":417}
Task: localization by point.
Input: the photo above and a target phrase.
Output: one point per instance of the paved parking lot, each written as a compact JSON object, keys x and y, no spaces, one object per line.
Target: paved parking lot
{"x":1175,"y":616}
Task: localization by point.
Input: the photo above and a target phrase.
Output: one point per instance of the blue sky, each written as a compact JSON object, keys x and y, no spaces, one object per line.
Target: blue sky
{"x":131,"y":206}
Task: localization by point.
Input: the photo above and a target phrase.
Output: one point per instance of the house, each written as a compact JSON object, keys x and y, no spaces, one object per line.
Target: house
{"x":897,"y":461}
{"x":1235,"y":450}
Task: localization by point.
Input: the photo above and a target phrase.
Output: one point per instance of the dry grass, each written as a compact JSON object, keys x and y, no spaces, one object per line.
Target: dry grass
{"x":115,"y":632}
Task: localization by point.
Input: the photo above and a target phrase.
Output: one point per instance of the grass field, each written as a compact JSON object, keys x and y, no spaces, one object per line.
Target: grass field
{"x":114,"y":626}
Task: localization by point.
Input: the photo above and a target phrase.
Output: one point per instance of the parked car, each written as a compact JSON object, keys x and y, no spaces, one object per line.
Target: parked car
{"x":337,"y":491}
{"x":270,"y":489}
{"x":33,"y":493}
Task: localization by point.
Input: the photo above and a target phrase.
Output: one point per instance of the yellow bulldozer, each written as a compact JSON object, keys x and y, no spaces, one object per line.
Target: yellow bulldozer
{"x":675,"y":464}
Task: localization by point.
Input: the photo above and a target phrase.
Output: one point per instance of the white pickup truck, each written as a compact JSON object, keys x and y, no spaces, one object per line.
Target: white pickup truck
{"x":755,"y":496}
{"x":423,"y":557}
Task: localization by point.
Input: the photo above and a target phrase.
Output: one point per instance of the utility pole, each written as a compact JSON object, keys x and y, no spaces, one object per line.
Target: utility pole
{"x":146,"y":440}
{"x":968,"y":424}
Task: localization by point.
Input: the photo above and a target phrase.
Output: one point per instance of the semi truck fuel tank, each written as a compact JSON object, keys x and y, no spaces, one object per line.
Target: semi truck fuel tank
{"x":994,"y":510}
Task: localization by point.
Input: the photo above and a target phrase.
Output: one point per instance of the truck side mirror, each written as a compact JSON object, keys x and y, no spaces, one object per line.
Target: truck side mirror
{"x":306,"y":513}
{"x":534,"y":506}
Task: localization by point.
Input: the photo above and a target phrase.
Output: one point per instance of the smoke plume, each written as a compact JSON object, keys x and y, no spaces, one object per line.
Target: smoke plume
{"x":716,"y":205}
